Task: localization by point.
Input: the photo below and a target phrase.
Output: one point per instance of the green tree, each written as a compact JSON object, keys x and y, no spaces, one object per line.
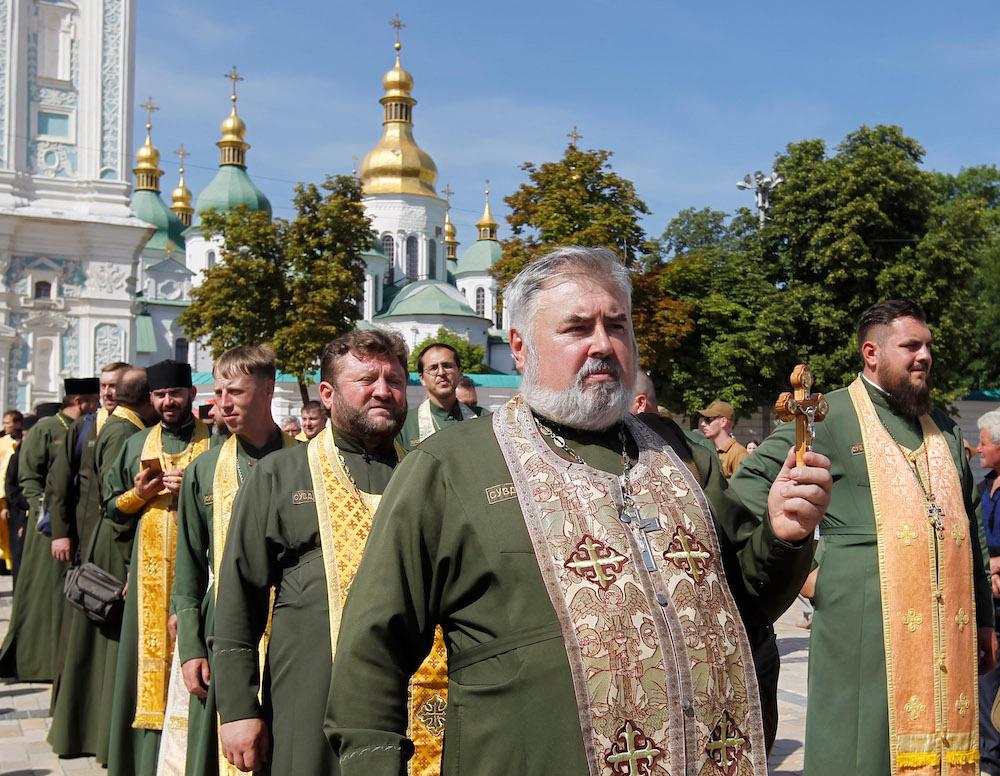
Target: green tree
{"x":577,"y":200}
{"x":864,"y":224}
{"x":295,"y":285}
{"x":471,"y":356}
{"x":326,"y":278}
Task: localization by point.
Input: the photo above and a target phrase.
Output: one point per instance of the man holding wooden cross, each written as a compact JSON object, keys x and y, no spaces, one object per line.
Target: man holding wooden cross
{"x":903,"y":608}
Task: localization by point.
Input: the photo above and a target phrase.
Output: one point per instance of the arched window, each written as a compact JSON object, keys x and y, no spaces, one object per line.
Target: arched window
{"x":43,"y":290}
{"x":432,"y":259}
{"x":481,"y":302}
{"x":412,"y":261}
{"x":181,"y":350}
{"x":499,"y":312}
{"x":389,"y":249}
{"x":211,"y":259}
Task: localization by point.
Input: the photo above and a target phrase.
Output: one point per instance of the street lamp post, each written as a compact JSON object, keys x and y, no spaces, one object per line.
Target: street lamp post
{"x":762,"y":187}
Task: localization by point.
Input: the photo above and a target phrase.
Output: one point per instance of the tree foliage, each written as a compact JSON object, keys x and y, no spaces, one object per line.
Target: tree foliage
{"x":295,"y":285}
{"x":577,"y":200}
{"x":471,"y":356}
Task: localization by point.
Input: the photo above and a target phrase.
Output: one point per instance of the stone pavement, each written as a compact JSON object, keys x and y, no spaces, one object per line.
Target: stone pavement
{"x":24,"y":720}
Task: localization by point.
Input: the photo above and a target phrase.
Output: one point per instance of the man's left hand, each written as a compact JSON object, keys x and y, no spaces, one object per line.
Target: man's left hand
{"x":172,"y":626}
{"x":62,"y":549}
{"x":799,"y":496}
{"x":172,"y":480}
{"x":987,"y":649}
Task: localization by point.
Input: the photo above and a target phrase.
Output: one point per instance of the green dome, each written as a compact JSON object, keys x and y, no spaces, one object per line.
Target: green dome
{"x":148,"y":206}
{"x":230,"y":188}
{"x":479,"y":257}
{"x":428,"y":297}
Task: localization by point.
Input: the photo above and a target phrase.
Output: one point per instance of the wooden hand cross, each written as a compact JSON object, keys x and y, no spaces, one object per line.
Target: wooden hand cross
{"x":805,"y":408}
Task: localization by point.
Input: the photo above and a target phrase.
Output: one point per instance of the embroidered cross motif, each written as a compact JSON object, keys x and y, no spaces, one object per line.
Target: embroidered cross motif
{"x":595,"y":561}
{"x":912,"y":620}
{"x":961,"y":619}
{"x":958,"y":534}
{"x":914,"y":707}
{"x":688,"y":554}
{"x":906,"y":534}
{"x":962,"y":704}
{"x":726,"y":745}
{"x":432,"y":714}
{"x":632,"y":754}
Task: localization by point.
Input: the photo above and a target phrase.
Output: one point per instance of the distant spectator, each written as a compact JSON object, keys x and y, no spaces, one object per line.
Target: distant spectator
{"x":989,"y":494}
{"x":290,"y":425}
{"x":716,"y":423}
{"x":314,"y":417}
{"x":466,"y":394}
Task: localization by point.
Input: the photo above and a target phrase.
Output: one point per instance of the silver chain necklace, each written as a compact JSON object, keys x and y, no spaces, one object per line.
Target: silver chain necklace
{"x":629,"y":513}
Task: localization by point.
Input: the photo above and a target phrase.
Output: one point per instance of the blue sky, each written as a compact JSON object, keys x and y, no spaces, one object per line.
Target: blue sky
{"x":689,"y":96}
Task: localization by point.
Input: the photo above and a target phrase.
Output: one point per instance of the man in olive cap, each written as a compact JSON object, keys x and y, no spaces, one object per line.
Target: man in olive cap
{"x":716,"y":423}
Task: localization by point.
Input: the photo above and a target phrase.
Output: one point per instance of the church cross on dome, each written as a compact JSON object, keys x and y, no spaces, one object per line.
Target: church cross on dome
{"x":182,"y":154}
{"x":234,"y":76}
{"x":574,"y":136}
{"x":447,"y":192}
{"x":397,"y":24}
{"x":150,"y":108}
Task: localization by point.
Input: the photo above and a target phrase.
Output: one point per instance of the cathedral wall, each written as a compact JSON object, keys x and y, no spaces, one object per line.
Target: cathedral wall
{"x":402,"y":216}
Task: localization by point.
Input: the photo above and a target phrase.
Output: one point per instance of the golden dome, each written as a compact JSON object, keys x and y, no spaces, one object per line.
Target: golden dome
{"x":397,"y":165}
{"x":181,"y":198}
{"x":449,"y":228}
{"x":147,"y":158}
{"x":487,"y":226}
{"x":232,"y":145}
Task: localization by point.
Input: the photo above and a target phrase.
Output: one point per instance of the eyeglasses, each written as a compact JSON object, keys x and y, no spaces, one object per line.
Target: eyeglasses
{"x":446,"y":366}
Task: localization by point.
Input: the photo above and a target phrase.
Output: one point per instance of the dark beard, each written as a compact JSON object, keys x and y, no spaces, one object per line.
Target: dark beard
{"x":907,"y":399}
{"x":357,"y":423}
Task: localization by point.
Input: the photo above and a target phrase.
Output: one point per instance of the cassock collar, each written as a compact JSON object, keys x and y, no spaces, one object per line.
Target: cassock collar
{"x":274,"y":442}
{"x":350,"y":444}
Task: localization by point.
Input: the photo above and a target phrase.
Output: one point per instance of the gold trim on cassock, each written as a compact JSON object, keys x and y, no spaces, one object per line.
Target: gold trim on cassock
{"x":927,"y":598}
{"x":156,"y":545}
{"x":345,"y":515}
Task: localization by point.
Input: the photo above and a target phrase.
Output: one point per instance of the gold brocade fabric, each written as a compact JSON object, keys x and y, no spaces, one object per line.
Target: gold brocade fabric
{"x":225,"y":485}
{"x":660,"y":660}
{"x":102,"y":418}
{"x":345,"y":520}
{"x":156,"y":545}
{"x":7,"y":448}
{"x":132,"y":417}
{"x":928,"y":604}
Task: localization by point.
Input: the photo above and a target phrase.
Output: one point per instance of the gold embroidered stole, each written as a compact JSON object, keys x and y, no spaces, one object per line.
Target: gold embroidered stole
{"x":660,"y":660}
{"x":101,"y":419}
{"x":928,"y":604}
{"x":156,"y":545}
{"x":345,"y":520}
{"x":225,"y":485}
{"x":7,"y":448}
{"x":132,"y":417}
{"x":427,"y":425}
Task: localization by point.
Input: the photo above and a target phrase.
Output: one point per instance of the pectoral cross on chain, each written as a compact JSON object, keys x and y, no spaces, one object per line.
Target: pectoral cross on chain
{"x":805,"y":408}
{"x":642,"y":527}
{"x":936,"y":515}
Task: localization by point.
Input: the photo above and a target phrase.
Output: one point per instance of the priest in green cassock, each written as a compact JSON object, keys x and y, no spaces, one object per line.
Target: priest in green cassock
{"x":590,"y":571}
{"x":440,"y":370}
{"x":140,"y":496}
{"x":299,"y":527}
{"x":902,"y":604}
{"x":30,"y":650}
{"x":82,"y":695}
{"x":244,"y":386}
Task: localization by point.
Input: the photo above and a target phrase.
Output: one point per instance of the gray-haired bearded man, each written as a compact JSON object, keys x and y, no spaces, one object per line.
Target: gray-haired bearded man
{"x":589,"y":570}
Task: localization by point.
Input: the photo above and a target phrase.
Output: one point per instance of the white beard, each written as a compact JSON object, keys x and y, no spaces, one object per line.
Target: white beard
{"x":593,"y":407}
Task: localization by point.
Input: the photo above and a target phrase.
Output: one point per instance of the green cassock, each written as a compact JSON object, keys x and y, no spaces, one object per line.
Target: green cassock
{"x":274,"y":540}
{"x":193,"y":598}
{"x":847,"y":724}
{"x":132,"y":751}
{"x":36,"y":617}
{"x":409,"y":434}
{"x":449,"y":546}
{"x":82,"y":698}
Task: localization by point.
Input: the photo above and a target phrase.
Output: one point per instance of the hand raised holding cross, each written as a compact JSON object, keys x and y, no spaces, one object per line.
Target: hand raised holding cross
{"x":800,"y":494}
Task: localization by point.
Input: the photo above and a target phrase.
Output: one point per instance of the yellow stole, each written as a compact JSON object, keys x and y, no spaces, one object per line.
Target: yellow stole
{"x":156,"y":546}
{"x":929,"y":626}
{"x":225,"y":485}
{"x":345,"y":520}
{"x":126,"y":414}
{"x":102,"y":418}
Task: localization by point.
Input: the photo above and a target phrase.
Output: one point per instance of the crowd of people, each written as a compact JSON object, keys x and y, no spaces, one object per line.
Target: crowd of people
{"x":572,"y":584}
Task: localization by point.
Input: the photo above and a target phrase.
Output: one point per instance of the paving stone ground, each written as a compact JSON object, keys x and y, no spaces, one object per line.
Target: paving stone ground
{"x":24,"y":720}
